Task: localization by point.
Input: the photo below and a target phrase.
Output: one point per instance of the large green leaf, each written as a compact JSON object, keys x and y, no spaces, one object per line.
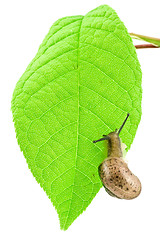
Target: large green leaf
{"x":81,"y":84}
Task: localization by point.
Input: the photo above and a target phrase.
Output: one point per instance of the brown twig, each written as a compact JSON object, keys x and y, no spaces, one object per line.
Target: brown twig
{"x":141,"y":46}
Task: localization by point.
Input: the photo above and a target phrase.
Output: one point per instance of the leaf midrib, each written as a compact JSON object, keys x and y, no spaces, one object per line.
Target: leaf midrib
{"x":78,"y":56}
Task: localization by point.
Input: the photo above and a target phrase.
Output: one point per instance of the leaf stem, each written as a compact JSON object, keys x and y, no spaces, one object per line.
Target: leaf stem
{"x":141,"y":46}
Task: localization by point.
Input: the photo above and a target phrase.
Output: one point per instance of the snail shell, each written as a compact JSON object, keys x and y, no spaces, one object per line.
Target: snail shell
{"x":118,"y":180}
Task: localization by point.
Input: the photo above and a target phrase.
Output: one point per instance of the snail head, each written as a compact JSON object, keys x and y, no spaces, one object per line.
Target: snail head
{"x":107,"y":137}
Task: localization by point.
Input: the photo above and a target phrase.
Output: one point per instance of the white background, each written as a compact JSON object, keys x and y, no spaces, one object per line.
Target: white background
{"x":25,"y":210}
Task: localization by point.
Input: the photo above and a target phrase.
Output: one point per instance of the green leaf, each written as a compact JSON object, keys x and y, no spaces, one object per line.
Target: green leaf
{"x":154,"y":41}
{"x":81,"y":84}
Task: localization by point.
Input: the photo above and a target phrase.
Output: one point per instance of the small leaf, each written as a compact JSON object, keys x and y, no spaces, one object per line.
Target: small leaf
{"x":154,"y":41}
{"x":81,"y":84}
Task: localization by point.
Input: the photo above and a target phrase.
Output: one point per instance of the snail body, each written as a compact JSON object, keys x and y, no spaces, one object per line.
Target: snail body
{"x":114,"y":173}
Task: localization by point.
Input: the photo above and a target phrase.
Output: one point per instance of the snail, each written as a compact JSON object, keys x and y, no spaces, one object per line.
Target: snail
{"x":114,"y":173}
